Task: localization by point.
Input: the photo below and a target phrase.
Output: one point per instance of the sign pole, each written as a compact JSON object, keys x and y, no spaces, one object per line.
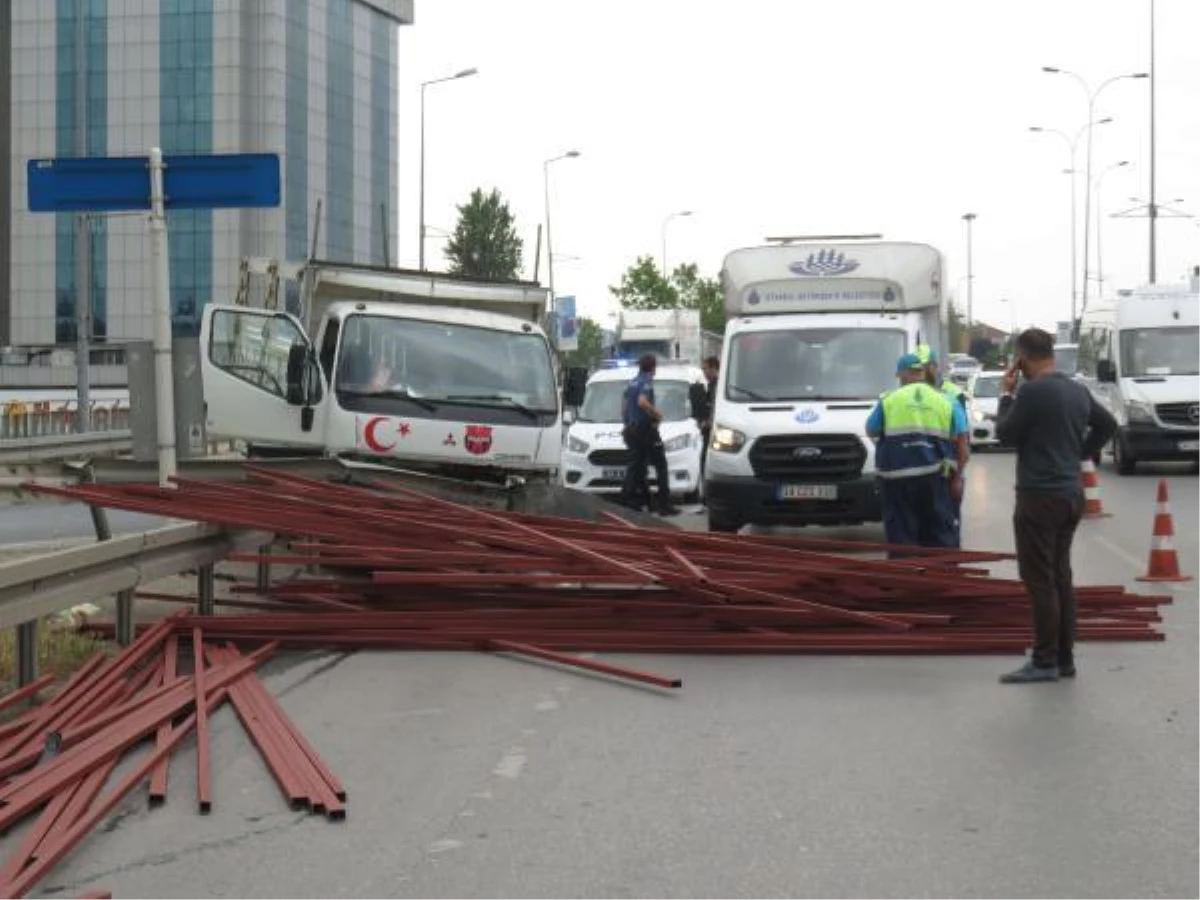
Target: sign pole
{"x":163,"y":377}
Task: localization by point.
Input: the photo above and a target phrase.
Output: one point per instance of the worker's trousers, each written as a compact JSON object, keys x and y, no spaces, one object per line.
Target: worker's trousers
{"x":919,"y":511}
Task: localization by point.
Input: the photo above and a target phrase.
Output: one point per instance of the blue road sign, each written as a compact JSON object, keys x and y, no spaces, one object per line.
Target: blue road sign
{"x":118,"y":184}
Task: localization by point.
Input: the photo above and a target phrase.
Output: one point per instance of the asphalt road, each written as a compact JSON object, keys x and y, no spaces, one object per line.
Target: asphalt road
{"x":471,"y":776}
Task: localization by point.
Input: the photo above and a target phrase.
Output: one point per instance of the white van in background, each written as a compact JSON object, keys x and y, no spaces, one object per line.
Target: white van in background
{"x":594,"y":456}
{"x":1140,"y":355}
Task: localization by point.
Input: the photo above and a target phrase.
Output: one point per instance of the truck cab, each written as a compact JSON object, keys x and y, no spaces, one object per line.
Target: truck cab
{"x":452,"y":377}
{"x":813,"y":332}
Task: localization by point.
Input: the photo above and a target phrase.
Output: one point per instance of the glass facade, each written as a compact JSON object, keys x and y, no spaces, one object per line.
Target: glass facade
{"x":381,"y":155}
{"x":339,"y":103}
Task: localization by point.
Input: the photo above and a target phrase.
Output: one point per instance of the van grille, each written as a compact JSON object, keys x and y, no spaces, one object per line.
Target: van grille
{"x":810,"y":457}
{"x":614,"y":457}
{"x":1184,"y":415}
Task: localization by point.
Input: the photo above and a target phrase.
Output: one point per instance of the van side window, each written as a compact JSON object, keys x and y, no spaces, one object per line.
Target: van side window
{"x":1087,"y":353}
{"x":329,"y":347}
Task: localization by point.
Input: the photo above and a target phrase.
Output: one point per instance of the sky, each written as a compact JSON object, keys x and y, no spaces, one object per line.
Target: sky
{"x":771,"y":117}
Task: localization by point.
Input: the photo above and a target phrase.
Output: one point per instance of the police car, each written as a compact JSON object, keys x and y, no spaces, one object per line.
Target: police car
{"x":594,"y":455}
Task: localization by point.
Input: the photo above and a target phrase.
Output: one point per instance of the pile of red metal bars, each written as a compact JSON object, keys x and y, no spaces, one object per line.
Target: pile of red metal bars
{"x":392,"y":568}
{"x":58,"y":757}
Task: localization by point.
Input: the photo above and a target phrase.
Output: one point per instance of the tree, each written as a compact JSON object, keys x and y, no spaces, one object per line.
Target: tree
{"x":485,"y":243}
{"x":643,"y":286}
{"x":590,"y":348}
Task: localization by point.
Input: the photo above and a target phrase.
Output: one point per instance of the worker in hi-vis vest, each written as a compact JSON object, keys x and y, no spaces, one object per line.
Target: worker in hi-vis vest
{"x":917,"y":458}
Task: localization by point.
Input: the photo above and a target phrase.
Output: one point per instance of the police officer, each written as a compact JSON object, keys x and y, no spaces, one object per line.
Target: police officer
{"x":641,"y":417}
{"x":958,"y":399}
{"x":919,"y":479}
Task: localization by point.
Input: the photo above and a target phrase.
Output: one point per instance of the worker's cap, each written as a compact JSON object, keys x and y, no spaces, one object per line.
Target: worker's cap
{"x":909,"y":361}
{"x":926,"y":355}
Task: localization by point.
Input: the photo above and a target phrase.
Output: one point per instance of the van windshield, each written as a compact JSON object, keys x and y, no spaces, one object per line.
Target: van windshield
{"x":661,"y":350}
{"x":813,"y":364}
{"x":602,"y":402}
{"x":987,"y":387}
{"x":1160,"y":351}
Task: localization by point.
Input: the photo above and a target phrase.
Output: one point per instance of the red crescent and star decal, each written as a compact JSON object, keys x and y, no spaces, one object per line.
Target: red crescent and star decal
{"x":375,"y":441}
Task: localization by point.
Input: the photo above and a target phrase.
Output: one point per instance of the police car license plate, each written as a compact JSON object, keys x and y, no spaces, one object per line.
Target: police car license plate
{"x":808,"y":492}
{"x":1189,"y":446}
{"x":613,"y":474}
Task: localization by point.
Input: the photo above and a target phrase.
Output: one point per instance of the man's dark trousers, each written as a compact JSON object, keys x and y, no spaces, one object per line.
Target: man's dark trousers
{"x":918,"y":511}
{"x":1044,"y":524}
{"x":646,"y":449}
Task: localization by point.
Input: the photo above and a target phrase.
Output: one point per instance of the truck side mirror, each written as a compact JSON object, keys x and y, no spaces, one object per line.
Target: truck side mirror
{"x":574,"y":385}
{"x":297,"y":370}
{"x":1106,"y":371}
{"x":568,"y":417}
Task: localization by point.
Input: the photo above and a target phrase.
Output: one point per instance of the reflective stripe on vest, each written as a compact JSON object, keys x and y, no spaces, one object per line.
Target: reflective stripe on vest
{"x":917,"y":420}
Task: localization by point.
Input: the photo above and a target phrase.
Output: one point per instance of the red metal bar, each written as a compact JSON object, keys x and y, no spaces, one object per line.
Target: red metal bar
{"x":203,"y":763}
{"x":579,"y":663}
{"x":158,"y":779}
{"x":10,"y":700}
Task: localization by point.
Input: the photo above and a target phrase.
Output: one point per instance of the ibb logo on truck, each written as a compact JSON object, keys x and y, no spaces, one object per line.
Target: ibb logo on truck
{"x":824,"y":262}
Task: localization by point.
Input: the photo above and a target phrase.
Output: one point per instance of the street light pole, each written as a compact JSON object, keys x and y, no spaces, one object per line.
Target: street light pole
{"x":1100,"y":225}
{"x":465,"y":73}
{"x":969,"y":218}
{"x":1152,"y":208}
{"x":1091,"y":114}
{"x":570,"y":154}
{"x":666,"y":221}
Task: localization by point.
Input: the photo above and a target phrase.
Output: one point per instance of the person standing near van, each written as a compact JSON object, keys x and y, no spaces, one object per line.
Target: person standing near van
{"x":962,"y":440}
{"x":706,"y":404}
{"x":1055,"y":423}
{"x":640,"y":418}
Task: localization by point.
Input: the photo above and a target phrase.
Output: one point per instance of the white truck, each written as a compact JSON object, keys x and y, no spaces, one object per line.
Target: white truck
{"x":670,"y":334}
{"x":1140,"y":355}
{"x":812,"y":336}
{"x":421,"y":370}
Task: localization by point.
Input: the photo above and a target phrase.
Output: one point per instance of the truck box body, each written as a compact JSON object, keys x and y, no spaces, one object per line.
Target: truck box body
{"x":673,"y":335}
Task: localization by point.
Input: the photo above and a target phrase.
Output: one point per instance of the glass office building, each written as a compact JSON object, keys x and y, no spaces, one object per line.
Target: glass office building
{"x":311,"y":80}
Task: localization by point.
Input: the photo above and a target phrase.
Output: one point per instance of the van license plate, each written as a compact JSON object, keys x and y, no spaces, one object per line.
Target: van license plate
{"x":613,"y":474}
{"x":1189,"y":446}
{"x":808,"y":492}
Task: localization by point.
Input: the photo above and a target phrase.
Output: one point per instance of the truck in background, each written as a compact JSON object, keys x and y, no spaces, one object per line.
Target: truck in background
{"x":670,"y":334}
{"x":431,"y":372}
{"x":1140,"y":356}
{"x":812,"y":335}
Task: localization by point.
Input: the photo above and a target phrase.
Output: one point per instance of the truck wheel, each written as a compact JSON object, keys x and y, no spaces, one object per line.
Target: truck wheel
{"x":725,"y":526}
{"x":1126,"y":464}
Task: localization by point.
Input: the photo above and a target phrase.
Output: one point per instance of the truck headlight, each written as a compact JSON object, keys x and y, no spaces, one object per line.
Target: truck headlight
{"x":977,"y":416}
{"x":1137,"y":411}
{"x":679,"y":442}
{"x":575,"y":445}
{"x":727,"y":440}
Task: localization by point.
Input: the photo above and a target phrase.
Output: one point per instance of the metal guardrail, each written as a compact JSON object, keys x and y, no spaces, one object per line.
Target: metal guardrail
{"x":51,"y":448}
{"x":45,"y":584}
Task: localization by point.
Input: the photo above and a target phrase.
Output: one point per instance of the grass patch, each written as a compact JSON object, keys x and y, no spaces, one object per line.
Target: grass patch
{"x":62,"y":649}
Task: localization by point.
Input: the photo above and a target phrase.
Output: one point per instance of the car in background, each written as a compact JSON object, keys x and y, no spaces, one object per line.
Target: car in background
{"x":594,"y":457}
{"x":983,"y":400}
{"x":961,"y":368}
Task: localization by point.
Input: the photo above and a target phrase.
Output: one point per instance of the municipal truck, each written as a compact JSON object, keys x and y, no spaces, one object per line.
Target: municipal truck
{"x":813,"y":332}
{"x":421,"y":370}
{"x":672,"y":335}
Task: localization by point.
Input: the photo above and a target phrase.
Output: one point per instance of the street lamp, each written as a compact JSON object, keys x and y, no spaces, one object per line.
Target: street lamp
{"x":1100,"y":224}
{"x":969,"y":218}
{"x":465,"y":73}
{"x":666,"y":221}
{"x":1072,"y":143}
{"x":1091,"y":114}
{"x":570,"y":154}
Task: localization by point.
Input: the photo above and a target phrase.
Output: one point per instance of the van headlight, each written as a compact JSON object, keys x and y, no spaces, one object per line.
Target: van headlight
{"x":976,"y":416}
{"x":727,"y":440}
{"x":677,"y":443}
{"x":575,"y":445}
{"x":1138,"y":411}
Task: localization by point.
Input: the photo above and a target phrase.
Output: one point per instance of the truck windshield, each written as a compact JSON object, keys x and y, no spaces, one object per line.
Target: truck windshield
{"x":431,"y":364}
{"x":602,"y":402}
{"x":813,"y":364}
{"x":987,"y":387}
{"x":1160,"y":351}
{"x":1066,"y":359}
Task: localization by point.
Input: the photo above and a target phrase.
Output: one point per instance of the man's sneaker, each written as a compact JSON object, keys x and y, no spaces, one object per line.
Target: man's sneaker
{"x":1029,"y":673}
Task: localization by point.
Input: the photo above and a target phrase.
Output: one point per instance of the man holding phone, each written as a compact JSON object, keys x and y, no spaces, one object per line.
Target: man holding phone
{"x":1055,"y":423}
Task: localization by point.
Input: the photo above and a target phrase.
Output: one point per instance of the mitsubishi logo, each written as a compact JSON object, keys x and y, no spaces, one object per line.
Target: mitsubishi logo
{"x":806,"y":452}
{"x":1194,"y":413}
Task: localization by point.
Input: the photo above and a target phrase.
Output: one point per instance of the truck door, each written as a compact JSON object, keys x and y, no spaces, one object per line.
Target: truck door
{"x":245,"y":363}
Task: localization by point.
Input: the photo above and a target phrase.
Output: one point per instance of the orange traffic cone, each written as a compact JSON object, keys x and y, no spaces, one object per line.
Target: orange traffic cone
{"x":1164,"y":561}
{"x":1091,"y":491}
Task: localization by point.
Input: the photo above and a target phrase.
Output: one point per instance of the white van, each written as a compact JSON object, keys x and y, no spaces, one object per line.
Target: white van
{"x":1140,"y":355}
{"x":812,"y":337}
{"x":594,"y":456}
